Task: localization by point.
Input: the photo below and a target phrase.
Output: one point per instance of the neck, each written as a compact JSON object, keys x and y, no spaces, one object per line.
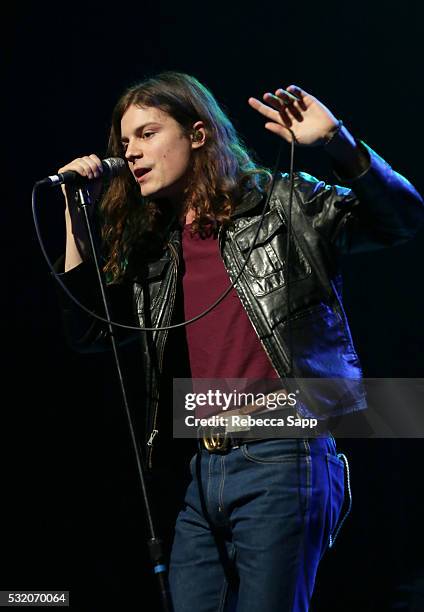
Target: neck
{"x":183,"y":214}
{"x":190,"y":216}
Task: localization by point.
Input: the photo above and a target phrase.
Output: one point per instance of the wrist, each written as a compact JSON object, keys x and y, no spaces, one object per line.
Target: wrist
{"x":349,"y":159}
{"x":333,"y":133}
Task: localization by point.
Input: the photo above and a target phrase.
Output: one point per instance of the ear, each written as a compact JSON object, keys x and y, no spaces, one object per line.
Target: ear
{"x":198,"y":135}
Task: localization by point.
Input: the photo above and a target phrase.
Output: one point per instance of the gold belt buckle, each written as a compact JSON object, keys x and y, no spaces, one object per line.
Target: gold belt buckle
{"x":216,"y":441}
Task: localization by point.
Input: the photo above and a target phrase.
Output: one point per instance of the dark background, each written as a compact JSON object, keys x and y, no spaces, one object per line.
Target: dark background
{"x":72,"y":516}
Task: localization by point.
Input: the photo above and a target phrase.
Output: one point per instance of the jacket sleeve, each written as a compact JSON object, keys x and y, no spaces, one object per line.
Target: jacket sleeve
{"x":83,"y":332}
{"x":380,"y":208}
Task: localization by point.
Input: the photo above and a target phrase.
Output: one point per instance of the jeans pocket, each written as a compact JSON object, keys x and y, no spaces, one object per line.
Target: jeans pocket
{"x":274,"y":450}
{"x":336,"y":479}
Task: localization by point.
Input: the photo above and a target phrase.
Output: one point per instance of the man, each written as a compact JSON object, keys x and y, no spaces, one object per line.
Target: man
{"x":177,"y":228}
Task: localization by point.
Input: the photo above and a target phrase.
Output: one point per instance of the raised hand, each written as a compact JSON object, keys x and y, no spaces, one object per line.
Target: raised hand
{"x":292,"y":112}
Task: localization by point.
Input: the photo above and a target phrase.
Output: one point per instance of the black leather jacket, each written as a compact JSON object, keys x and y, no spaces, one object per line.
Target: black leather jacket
{"x":380,"y":209}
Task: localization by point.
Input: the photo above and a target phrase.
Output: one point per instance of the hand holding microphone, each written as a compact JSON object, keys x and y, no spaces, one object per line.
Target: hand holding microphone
{"x":86,"y":172}
{"x":82,"y":170}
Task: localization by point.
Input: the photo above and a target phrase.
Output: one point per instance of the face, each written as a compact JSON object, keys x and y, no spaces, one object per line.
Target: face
{"x":157,"y":151}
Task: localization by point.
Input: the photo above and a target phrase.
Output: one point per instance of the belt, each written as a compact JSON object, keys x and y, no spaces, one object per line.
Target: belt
{"x":219,"y":442}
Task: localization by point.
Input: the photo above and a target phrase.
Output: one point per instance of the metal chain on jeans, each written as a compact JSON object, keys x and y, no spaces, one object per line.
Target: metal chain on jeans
{"x":332,"y":538}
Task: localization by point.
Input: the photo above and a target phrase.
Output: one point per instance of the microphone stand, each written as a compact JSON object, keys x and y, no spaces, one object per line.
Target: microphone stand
{"x":154,"y":543}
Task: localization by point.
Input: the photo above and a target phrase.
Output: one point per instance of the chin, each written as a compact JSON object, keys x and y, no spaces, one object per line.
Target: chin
{"x":163,"y":193}
{"x":149,"y":192}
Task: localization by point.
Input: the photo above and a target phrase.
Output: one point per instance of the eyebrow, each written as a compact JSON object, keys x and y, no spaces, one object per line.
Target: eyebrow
{"x":140,"y":128}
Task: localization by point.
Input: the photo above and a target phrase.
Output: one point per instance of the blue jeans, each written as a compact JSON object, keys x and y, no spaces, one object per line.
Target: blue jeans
{"x":254,"y":526}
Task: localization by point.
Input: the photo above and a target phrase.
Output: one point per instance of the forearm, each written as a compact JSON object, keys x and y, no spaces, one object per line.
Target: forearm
{"x":388,"y":210}
{"x":77,"y":238}
{"x":391,"y":206}
{"x":72,"y":256}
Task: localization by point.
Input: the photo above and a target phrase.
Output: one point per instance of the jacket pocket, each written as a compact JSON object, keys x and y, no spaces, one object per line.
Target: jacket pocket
{"x":266,"y":263}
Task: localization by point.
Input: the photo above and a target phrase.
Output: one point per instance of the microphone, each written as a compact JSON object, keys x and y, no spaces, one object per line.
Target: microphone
{"x":112,"y":166}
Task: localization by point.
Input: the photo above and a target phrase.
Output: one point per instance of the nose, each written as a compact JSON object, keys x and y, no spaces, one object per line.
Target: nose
{"x":133,"y":151}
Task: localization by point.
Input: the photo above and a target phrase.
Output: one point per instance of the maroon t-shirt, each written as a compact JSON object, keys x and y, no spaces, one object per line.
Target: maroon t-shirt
{"x":223,"y":344}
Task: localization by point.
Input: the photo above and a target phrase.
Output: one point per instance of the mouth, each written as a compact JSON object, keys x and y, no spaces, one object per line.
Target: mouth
{"x":140,"y":173}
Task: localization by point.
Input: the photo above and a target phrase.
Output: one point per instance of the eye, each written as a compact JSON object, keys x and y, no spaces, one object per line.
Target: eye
{"x":148,"y":134}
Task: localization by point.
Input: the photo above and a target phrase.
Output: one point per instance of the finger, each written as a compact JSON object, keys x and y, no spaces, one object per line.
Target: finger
{"x":85,"y":166}
{"x":279,"y":115}
{"x":275,"y":101}
{"x":280,"y":106}
{"x":97,"y":161}
{"x":264,"y":109}
{"x":94,"y":166}
{"x":291,"y":97}
{"x":301,"y":94}
{"x":291,"y":104}
{"x":283,"y":99}
{"x":77,"y":165}
{"x":281,"y":130}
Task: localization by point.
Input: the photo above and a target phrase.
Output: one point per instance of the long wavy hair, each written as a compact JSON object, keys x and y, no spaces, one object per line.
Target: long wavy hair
{"x":220,"y":173}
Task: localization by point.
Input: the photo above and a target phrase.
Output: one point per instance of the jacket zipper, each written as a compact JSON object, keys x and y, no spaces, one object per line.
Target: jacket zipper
{"x":152,"y":437}
{"x":155,"y":431}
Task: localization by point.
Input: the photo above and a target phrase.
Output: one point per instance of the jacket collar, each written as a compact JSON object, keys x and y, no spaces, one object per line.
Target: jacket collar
{"x":249,"y":201}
